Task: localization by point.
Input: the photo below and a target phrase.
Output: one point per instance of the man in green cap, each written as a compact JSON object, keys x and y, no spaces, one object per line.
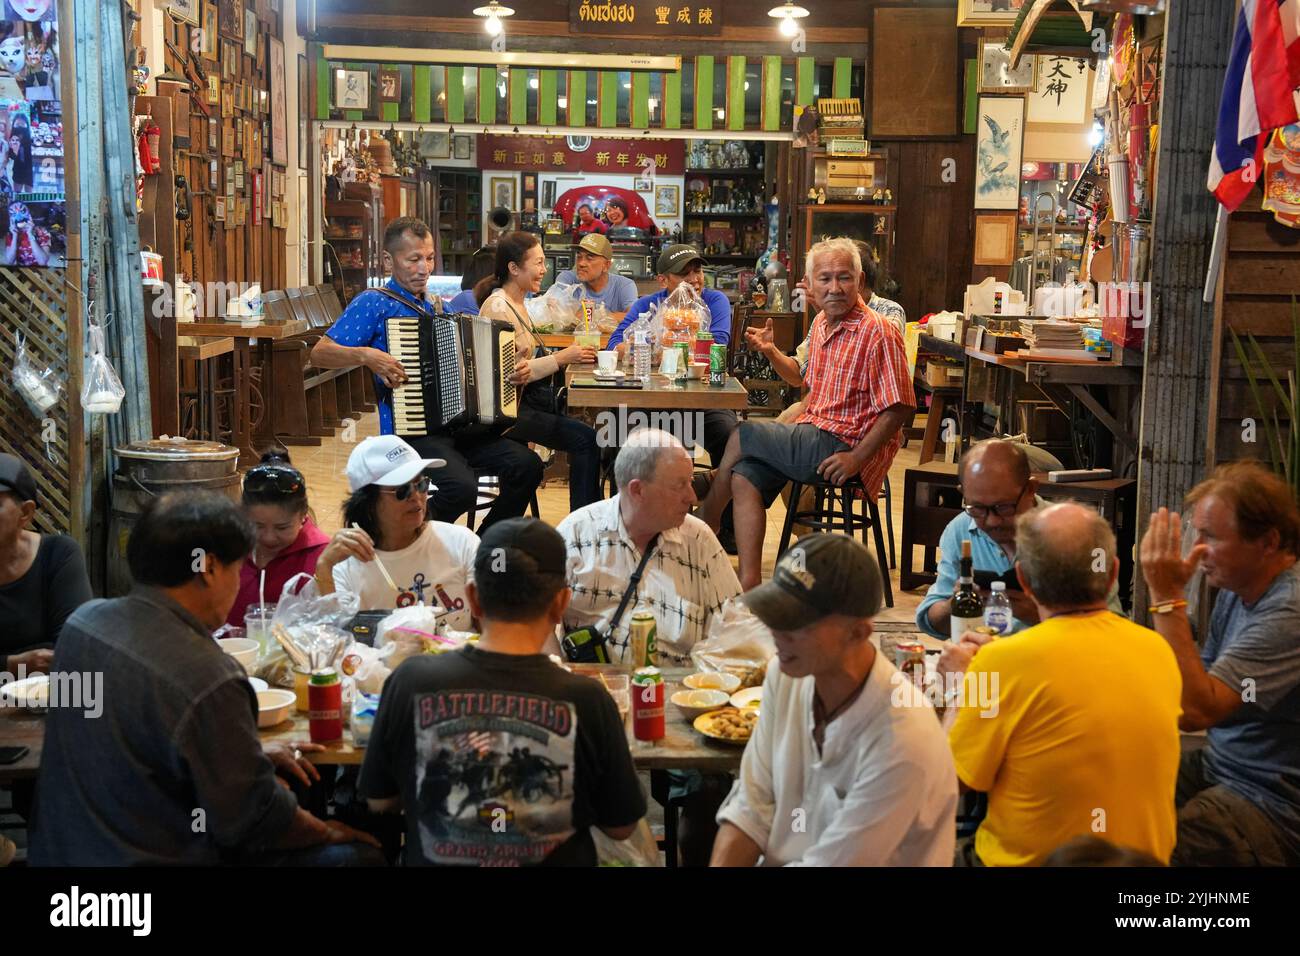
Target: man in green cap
{"x":591,"y":268}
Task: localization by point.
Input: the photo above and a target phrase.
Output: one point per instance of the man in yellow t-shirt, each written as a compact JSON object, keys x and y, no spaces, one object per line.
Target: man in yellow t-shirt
{"x":1070,"y":726}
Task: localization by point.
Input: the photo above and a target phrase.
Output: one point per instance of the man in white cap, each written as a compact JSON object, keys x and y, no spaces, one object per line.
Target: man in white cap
{"x":847,"y":765}
{"x":591,"y":267}
{"x":386,"y":528}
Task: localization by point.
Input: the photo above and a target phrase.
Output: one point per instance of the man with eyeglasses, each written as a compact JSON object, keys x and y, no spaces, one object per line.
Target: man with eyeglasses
{"x":997,"y":488}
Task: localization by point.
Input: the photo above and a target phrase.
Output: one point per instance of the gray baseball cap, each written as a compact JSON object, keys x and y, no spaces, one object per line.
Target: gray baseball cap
{"x":821,"y":574}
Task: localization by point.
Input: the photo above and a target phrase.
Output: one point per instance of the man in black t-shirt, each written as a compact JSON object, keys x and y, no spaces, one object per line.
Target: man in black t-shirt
{"x":497,"y":755}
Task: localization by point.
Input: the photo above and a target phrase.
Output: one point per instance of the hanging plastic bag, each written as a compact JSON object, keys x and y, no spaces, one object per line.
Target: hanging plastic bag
{"x":102,"y":391}
{"x":682,"y":315}
{"x":737,"y":643}
{"x":639,"y":849}
{"x":557,"y":311}
{"x":38,"y":387}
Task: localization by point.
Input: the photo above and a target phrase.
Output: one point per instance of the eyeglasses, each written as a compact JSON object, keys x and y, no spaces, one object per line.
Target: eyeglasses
{"x":402,"y":492}
{"x":1003,"y":509}
{"x":276,"y":478}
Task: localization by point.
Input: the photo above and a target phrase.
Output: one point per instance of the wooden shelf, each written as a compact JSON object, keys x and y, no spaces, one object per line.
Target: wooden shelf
{"x":725,"y":215}
{"x":726,"y":172}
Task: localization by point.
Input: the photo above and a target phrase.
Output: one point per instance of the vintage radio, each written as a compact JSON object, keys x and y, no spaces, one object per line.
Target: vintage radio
{"x":851,"y":179}
{"x":848,"y":148}
{"x":842,"y":118}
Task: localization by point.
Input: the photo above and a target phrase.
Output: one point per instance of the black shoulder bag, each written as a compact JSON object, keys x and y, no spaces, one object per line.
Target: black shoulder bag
{"x":545,"y":394}
{"x":588,"y":645}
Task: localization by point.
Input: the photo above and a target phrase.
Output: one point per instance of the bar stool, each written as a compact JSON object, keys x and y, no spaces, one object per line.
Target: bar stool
{"x":489,"y":486}
{"x":822,"y":516}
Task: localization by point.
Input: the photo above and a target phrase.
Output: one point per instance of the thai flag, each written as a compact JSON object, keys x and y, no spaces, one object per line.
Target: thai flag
{"x":1258,"y":95}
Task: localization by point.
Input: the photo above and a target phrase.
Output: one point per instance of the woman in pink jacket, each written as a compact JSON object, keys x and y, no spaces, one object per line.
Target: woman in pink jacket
{"x":288,"y":540}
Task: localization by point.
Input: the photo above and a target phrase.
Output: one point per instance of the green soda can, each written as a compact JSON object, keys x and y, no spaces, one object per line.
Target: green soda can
{"x":717,"y":365}
{"x":683,"y":361}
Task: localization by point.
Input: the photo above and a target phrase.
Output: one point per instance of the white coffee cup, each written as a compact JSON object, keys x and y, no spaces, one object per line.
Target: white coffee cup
{"x":606,"y":362}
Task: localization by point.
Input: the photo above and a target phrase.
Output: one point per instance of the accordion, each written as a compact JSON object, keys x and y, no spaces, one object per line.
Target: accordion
{"x":458,"y":374}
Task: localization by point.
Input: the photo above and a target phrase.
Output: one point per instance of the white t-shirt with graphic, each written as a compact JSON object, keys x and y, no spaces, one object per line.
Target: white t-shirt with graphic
{"x":435,"y":568}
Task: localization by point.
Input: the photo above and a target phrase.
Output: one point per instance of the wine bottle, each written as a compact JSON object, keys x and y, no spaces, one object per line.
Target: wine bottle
{"x":967,"y":608}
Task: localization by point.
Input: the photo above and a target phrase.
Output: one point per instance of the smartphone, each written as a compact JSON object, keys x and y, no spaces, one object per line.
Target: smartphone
{"x":10,"y":755}
{"x":603,"y":383}
{"x":984,"y":579}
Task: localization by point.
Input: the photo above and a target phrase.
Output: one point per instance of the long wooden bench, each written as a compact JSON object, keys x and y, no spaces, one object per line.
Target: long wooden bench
{"x":308,"y":403}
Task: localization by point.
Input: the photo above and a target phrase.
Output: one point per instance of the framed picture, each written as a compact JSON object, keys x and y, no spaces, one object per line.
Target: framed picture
{"x":996,"y":75}
{"x":187,"y":10}
{"x":227,"y":102}
{"x":261,"y":52}
{"x":279,"y":114}
{"x":214,"y":89}
{"x":995,"y":238}
{"x":1064,"y":92}
{"x":436,"y":146}
{"x":214,"y":175}
{"x":502,"y":191}
{"x":390,"y":86}
{"x":643,"y":185}
{"x":208,"y":40}
{"x":302,"y":111}
{"x":460,"y":147}
{"x":988,"y":13}
{"x":220,"y":214}
{"x":250,"y":33}
{"x":999,"y":140}
{"x":352,"y":89}
{"x":548,"y":194}
{"x":229,"y":59}
{"x":232,"y":19}
{"x":667,"y":201}
{"x":530,"y":183}
{"x":214,"y":135}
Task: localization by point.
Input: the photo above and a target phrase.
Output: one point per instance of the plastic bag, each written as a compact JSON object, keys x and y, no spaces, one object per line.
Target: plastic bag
{"x":415,"y":630}
{"x":639,"y":849}
{"x":38,"y":387}
{"x":682,"y":315}
{"x":316,"y":623}
{"x":737,"y":643}
{"x":559,"y":310}
{"x":102,"y":391}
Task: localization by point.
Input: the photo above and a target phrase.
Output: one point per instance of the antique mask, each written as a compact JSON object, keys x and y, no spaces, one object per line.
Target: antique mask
{"x":11,"y":54}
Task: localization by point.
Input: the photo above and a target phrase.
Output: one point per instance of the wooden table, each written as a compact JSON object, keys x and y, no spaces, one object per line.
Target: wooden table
{"x":21,"y":728}
{"x":264,"y":334}
{"x":562,"y":340}
{"x":661,"y":393}
{"x":682,"y":748}
{"x":201,"y":351}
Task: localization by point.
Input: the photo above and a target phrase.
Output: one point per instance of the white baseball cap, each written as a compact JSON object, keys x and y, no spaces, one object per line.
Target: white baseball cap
{"x":386,"y":460}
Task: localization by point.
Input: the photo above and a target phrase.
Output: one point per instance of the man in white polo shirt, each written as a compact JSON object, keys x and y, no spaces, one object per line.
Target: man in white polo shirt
{"x":848,"y":765}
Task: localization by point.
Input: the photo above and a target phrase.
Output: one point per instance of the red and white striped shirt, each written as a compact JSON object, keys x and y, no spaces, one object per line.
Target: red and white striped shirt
{"x":856,"y":370}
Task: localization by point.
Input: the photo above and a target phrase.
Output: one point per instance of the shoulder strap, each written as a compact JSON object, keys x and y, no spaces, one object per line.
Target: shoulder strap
{"x":632,"y":584}
{"x":397,"y":298}
{"x":526,"y":324}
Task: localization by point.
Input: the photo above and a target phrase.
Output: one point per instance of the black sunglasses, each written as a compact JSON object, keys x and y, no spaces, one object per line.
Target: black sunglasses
{"x":278,"y":478}
{"x":1005,"y":509}
{"x":402,"y":492}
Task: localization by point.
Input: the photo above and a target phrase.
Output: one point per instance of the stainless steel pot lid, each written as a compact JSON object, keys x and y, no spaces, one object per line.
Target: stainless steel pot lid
{"x":176,"y":449}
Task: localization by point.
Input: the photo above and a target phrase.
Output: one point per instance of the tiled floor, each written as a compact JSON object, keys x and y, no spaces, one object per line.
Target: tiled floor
{"x":324,"y":469}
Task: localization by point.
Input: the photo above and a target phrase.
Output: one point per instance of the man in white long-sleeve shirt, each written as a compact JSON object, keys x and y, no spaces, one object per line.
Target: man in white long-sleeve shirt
{"x":848,"y":765}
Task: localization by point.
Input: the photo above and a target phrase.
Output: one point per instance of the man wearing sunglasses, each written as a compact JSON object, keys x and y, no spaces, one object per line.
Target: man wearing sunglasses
{"x":997,"y":488}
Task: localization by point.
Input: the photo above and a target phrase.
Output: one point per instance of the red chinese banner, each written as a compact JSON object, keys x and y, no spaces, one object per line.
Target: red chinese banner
{"x":628,"y":157}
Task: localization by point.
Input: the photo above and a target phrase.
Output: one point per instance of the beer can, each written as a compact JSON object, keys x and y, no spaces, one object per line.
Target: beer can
{"x":684,"y":362}
{"x":643,"y":646}
{"x":717,"y":365}
{"x":647,"y":704}
{"x":325,"y":706}
{"x":703,"y":341}
{"x":909,"y":658}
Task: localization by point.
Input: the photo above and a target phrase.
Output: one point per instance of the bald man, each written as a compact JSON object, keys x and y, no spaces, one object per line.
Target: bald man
{"x":1070,"y":727}
{"x":996,"y":489}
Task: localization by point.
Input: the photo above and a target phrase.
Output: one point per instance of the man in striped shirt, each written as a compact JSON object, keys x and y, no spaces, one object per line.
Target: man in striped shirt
{"x":859,"y":397}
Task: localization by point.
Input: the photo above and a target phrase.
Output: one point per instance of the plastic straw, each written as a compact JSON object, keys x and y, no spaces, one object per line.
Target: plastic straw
{"x":382,"y":570}
{"x":261,"y":596}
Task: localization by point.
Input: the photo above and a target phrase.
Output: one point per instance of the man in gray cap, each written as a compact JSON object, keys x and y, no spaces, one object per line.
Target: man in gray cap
{"x":591,"y":267}
{"x":847,"y":765}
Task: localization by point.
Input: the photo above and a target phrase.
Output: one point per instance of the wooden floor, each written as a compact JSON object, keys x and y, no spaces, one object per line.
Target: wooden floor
{"x":324,"y":468}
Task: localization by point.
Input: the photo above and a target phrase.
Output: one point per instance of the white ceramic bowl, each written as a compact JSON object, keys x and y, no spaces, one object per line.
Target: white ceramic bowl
{"x":30,"y":693}
{"x":274,"y":705}
{"x":259,"y":685}
{"x":692,"y":703}
{"x":242,"y":649}
{"x":711,"y":680}
{"x":749,"y":697}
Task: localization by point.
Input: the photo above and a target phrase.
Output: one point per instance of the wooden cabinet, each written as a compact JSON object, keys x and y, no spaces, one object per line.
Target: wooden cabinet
{"x":353,"y":231}
{"x":458,"y":230}
{"x":400,"y":198}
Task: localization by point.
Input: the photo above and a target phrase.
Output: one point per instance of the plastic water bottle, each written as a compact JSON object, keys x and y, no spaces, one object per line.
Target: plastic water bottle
{"x":997,"y":609}
{"x":641,"y":356}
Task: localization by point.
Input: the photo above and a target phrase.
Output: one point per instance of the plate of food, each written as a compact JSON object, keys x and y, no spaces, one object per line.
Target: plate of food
{"x":747,"y":698}
{"x":728,"y":725}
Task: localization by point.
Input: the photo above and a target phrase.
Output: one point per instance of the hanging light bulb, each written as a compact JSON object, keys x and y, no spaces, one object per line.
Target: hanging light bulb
{"x":788,"y":27}
{"x":493,"y":25}
{"x":788,"y":14}
{"x":492,"y":15}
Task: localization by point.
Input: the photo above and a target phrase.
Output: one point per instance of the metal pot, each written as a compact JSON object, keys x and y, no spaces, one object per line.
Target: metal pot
{"x":146,"y":469}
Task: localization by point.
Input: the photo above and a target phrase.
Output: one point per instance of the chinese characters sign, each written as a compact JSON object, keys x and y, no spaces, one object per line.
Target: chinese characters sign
{"x":677,"y":18}
{"x":1063,"y":92}
{"x":628,"y":157}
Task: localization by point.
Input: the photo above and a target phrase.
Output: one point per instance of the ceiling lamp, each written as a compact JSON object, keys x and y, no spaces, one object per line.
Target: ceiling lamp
{"x":788,"y":13}
{"x":494,"y":12}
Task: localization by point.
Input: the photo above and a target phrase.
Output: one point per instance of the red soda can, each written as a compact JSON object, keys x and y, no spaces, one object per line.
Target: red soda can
{"x":647,"y":704}
{"x":325,"y":706}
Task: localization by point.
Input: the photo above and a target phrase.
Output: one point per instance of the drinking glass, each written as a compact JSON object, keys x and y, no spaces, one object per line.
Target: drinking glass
{"x":620,"y":688}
